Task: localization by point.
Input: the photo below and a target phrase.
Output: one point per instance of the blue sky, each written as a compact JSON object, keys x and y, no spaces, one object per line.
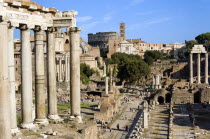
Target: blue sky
{"x":154,"y":21}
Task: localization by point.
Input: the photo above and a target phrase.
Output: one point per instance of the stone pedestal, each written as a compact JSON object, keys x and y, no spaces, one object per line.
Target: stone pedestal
{"x":52,"y":92}
{"x":40,"y":94}
{"x":75,"y":71}
{"x":5,"y":126}
{"x":26,"y":97}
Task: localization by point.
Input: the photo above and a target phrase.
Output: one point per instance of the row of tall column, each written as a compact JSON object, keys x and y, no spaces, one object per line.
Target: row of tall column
{"x":63,"y":69}
{"x":199,"y":69}
{"x":8,"y":117}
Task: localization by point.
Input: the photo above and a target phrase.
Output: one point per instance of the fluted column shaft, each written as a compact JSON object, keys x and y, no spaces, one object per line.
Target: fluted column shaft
{"x":75,"y":71}
{"x":5,"y":127}
{"x":206,"y":68}
{"x":52,"y":94}
{"x":26,"y":66}
{"x":191,"y":68}
{"x":199,"y":68}
{"x":12,"y":78}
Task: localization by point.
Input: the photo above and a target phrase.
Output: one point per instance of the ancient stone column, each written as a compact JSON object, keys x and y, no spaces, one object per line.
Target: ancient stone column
{"x":191,"y":68}
{"x":66,"y":68}
{"x":60,"y":69}
{"x":57,"y":69}
{"x":206,"y":68}
{"x":104,"y":69}
{"x":156,"y":82}
{"x":153,"y":81}
{"x":11,"y":64}
{"x":26,"y":66}
{"x":40,"y":95}
{"x":5,"y":126}
{"x":111,"y":81}
{"x":199,"y":68}
{"x":52,"y":93}
{"x":145,"y":114}
{"x":75,"y":72}
{"x":106,"y":85}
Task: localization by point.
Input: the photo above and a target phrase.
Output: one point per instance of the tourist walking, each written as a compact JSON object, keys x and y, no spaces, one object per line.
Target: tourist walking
{"x":118,"y":126}
{"x":110,"y":129}
{"x":126,"y":128}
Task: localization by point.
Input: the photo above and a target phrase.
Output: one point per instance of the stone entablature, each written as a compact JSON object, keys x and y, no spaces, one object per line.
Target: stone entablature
{"x":198,"y":49}
{"x":32,"y":14}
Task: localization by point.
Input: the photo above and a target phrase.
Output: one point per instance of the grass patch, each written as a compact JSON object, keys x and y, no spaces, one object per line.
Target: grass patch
{"x":88,"y":106}
{"x":31,"y":133}
{"x":63,"y":106}
{"x":120,"y":95}
{"x":19,"y":119}
{"x":67,"y":106}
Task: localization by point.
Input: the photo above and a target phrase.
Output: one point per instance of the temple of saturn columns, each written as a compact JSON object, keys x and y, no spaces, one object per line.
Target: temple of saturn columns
{"x":199,"y":49}
{"x":27,"y":15}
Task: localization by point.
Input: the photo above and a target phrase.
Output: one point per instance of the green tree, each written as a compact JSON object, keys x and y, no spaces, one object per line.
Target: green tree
{"x":131,"y":68}
{"x":181,"y":54}
{"x":149,"y":60}
{"x":204,"y":39}
{"x":85,"y":73}
{"x":151,"y":56}
{"x":189,"y":46}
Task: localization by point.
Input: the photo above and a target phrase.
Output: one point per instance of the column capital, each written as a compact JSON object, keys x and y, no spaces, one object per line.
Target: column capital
{"x":75,"y":29}
{"x":26,"y":27}
{"x":13,"y":25}
{"x":50,"y":30}
{"x":37,"y":29}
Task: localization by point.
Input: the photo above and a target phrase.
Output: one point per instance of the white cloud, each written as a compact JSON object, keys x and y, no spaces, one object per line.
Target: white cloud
{"x":84,"y":18}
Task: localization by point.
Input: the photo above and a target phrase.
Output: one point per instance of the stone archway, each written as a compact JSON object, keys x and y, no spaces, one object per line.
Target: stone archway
{"x":160,"y":100}
{"x":168,"y":98}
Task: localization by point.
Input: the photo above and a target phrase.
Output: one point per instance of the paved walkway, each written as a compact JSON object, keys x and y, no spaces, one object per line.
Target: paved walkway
{"x":182,"y":128}
{"x":158,"y":124}
{"x":120,"y":134}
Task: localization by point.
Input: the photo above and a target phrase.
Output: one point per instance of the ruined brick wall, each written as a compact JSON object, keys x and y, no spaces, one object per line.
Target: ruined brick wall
{"x":113,"y":44}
